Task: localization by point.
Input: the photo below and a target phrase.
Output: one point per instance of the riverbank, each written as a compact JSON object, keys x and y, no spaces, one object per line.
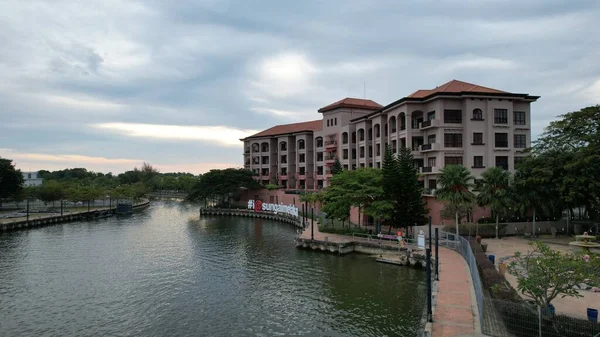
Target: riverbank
{"x":251,"y":214}
{"x":37,"y":220}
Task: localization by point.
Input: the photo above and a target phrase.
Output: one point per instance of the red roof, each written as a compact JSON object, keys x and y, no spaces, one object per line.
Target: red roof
{"x":289,"y":128}
{"x":353,"y":103}
{"x":455,"y":86}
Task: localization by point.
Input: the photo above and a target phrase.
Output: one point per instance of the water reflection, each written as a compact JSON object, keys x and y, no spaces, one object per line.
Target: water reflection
{"x":165,"y":272}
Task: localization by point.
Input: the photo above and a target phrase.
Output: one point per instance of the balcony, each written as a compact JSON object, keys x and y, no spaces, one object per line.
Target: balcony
{"x":246,"y":151}
{"x":429,"y":170}
{"x":429,"y":191}
{"x":330,"y":143}
{"x":329,"y":159}
{"x":430,"y":147}
{"x":432,"y":123}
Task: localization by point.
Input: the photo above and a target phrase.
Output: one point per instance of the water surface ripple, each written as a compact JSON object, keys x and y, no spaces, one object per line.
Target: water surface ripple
{"x":165,"y":272}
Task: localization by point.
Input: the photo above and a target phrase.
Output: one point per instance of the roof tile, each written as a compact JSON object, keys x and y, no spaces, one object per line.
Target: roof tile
{"x":355,"y":103}
{"x":315,"y":125}
{"x":454,"y":86}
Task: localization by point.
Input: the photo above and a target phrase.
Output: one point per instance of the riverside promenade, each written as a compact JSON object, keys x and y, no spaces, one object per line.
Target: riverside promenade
{"x":455,"y":312}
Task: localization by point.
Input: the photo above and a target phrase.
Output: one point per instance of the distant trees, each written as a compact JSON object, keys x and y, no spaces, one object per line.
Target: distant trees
{"x":11,"y":179}
{"x":337,"y":166}
{"x":222,"y":185}
{"x":496,"y":192}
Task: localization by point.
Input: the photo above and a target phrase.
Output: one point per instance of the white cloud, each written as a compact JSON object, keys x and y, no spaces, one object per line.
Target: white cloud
{"x":215,"y":134}
{"x":283,"y":75}
{"x":465,"y":62}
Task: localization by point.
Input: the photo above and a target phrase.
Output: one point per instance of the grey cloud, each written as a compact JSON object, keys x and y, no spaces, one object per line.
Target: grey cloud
{"x":195,"y":63}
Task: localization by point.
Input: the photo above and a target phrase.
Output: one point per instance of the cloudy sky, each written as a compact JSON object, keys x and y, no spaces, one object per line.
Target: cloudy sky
{"x":108,"y":84}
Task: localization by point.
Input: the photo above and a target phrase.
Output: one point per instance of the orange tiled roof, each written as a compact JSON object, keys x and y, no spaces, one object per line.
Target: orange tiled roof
{"x":289,"y":128}
{"x":355,"y":103}
{"x":455,"y":86}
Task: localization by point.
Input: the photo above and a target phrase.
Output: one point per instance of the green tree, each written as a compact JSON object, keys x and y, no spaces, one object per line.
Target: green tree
{"x":575,"y":137}
{"x":456,"y":184}
{"x":337,"y":166}
{"x":496,"y":192}
{"x":11,"y":179}
{"x":544,"y":274}
{"x":222,"y":185}
{"x":52,"y":191}
{"x":411,"y":208}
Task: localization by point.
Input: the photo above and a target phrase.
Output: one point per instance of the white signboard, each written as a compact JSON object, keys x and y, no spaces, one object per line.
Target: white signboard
{"x":421,"y":240}
{"x":277,"y":208}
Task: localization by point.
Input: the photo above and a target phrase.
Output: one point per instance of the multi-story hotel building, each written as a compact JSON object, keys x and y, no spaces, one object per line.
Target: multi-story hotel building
{"x":454,"y":123}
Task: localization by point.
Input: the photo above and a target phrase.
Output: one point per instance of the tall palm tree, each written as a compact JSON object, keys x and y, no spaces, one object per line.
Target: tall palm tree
{"x":456,"y":183}
{"x":496,"y":192}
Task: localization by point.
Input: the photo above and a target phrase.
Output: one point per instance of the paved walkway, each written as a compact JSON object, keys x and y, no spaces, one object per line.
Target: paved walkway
{"x":455,"y":309}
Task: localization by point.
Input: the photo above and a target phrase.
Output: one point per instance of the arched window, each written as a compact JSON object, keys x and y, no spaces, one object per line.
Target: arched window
{"x":361,"y":135}
{"x":402,"y":121}
{"x":301,"y":145}
{"x":477,"y":115}
{"x":283,"y":146}
{"x":264,"y":147}
{"x":319,"y":141}
{"x":393,"y":124}
{"x":345,"y":138}
{"x":255,"y":147}
{"x":354,"y":137}
{"x":377,"y":131}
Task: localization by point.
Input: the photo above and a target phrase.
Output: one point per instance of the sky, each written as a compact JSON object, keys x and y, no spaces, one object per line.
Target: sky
{"x":109,"y":84}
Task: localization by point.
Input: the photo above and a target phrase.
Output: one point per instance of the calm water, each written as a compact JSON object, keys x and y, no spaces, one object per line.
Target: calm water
{"x":164,"y":272}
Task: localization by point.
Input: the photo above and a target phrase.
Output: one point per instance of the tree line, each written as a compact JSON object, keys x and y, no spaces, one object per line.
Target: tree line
{"x":79,"y":184}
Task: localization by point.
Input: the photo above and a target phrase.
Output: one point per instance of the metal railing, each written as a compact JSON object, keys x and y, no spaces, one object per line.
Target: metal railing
{"x":463,"y":247}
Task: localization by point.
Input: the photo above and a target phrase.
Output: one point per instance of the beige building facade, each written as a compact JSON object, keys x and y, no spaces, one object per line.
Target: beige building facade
{"x":455,"y":123}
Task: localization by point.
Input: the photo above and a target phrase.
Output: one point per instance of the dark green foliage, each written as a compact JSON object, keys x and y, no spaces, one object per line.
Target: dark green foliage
{"x":11,"y":179}
{"x":223,"y":184}
{"x":337,"y":166}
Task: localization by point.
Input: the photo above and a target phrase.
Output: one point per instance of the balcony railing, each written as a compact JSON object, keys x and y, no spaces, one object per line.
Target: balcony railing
{"x":426,"y":147}
{"x":331,"y":143}
{"x":246,"y":151}
{"x":427,"y":169}
{"x":431,"y":123}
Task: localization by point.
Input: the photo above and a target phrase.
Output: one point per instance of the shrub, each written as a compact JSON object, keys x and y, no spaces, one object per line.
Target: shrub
{"x":491,"y":278}
{"x":342,"y":231}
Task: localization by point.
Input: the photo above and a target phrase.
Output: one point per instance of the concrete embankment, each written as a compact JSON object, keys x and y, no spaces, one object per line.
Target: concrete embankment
{"x":251,"y":214}
{"x":18,"y":224}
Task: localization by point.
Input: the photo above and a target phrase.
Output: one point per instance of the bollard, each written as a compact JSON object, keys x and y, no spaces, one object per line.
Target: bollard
{"x":312,"y":223}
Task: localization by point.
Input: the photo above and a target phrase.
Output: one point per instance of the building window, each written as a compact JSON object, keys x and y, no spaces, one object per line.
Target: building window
{"x":354,"y":137}
{"x":378,"y":165}
{"x":520,"y":141}
{"x":453,"y":116}
{"x":453,"y":140}
{"x":302,"y":158}
{"x":431,"y":162}
{"x":362,"y":152}
{"x":345,"y":154}
{"x":430,"y":139}
{"x":302,"y":171}
{"x":361,"y":135}
{"x":353,"y":153}
{"x":320,"y":170}
{"x":392,"y":123}
{"x":284,"y":171}
{"x":501,"y":140}
{"x":477,"y":138}
{"x":519,"y":117}
{"x":319,"y":141}
{"x":370,"y":134}
{"x":319,"y":156}
{"x":416,"y":122}
{"x":335,"y":121}
{"x":346,"y":167}
{"x":377,"y":131}
{"x":378,"y":150}
{"x":477,"y":115}
{"x":283,"y":146}
{"x":502,"y":161}
{"x":432,"y":184}
{"x":478,"y":162}
{"x":431,"y":115}
{"x":301,"y":145}
{"x":453,"y":161}
{"x":265,"y":160}
{"x":328,"y":123}
{"x":370,"y":151}
{"x":402,"y":122}
{"x":345,"y":138}
{"x":518,"y":160}
{"x":500,"y":116}
{"x":255,"y":147}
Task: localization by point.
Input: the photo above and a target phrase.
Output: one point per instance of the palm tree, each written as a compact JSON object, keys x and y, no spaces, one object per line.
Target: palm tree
{"x":496,"y":192}
{"x":456,"y":183}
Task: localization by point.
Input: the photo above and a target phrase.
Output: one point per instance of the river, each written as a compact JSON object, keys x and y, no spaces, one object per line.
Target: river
{"x":165,"y":272}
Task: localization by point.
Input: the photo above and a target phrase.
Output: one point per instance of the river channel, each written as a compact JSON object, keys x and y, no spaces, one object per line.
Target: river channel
{"x":165,"y":272}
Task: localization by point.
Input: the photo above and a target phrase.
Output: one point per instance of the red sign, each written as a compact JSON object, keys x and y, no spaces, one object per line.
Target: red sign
{"x":257,"y":205}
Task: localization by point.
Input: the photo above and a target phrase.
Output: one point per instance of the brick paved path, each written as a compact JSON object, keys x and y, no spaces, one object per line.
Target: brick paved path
{"x":454,"y":313}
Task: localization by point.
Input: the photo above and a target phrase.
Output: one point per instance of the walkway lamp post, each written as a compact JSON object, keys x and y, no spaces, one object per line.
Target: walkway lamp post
{"x":312,"y":223}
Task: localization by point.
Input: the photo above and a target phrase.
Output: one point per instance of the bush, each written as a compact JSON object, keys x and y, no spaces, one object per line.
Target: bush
{"x":342,"y":231}
{"x":485,"y":230}
{"x":491,"y":278}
